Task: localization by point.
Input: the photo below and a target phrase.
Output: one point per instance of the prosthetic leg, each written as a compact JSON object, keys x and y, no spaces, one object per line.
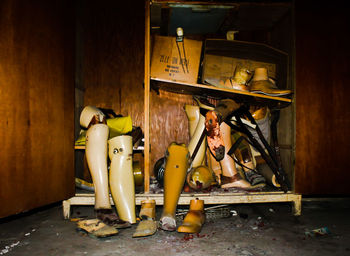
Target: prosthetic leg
{"x":96,"y":155}
{"x":148,"y":224}
{"x":194,"y":219}
{"x":121,"y":177}
{"x":177,"y":163}
{"x":196,"y":127}
{"x":230,"y":177}
{"x":213,"y":120}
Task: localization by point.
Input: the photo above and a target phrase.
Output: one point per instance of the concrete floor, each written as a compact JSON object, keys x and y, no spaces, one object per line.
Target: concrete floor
{"x":258,"y":229}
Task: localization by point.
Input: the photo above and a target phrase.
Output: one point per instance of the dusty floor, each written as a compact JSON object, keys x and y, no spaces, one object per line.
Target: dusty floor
{"x":258,"y":229}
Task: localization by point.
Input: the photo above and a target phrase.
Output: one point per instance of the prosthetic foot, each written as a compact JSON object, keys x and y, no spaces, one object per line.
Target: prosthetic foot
{"x":121,"y":177}
{"x":213,"y":120}
{"x":177,"y":163}
{"x":148,"y":224}
{"x":96,"y":228}
{"x":194,"y":219}
{"x":261,"y":84}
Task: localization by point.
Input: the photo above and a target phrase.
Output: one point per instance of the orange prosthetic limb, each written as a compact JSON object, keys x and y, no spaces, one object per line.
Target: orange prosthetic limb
{"x":177,"y":163}
{"x":194,"y":219}
{"x":230,"y":177}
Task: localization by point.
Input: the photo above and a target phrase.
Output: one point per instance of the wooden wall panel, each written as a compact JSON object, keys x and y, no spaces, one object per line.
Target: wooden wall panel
{"x":322,"y":96}
{"x":168,"y":122}
{"x":37,"y":103}
{"x":113,"y":56}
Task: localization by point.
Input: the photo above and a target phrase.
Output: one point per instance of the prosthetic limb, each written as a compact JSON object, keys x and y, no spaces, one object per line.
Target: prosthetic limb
{"x":192,"y":113}
{"x":177,"y":163}
{"x":230,"y":176}
{"x":200,"y":178}
{"x":121,"y":177}
{"x":194,"y":219}
{"x":262,"y":84}
{"x":148,"y":224}
{"x":213,"y":120}
{"x":96,"y":156}
{"x":196,"y":127}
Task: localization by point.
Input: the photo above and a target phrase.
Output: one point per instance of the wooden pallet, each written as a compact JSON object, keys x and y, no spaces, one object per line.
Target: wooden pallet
{"x":209,"y":198}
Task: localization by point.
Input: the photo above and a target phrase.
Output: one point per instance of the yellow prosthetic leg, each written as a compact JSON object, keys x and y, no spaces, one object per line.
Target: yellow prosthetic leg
{"x":177,"y":163}
{"x":196,"y":127}
{"x":148,"y":224}
{"x":194,"y":219}
{"x":121,"y":177}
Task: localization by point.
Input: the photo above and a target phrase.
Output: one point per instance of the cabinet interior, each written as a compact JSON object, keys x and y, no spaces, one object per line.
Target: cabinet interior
{"x":110,"y":57}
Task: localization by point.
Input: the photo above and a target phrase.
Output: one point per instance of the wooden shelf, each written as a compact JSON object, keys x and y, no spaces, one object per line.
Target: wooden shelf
{"x":139,"y":148}
{"x":207,"y":90}
{"x":222,"y":198}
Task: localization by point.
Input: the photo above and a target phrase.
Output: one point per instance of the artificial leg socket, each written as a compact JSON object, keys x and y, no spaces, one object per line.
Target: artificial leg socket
{"x":177,"y":163}
{"x":194,"y":219}
{"x":121,"y":177}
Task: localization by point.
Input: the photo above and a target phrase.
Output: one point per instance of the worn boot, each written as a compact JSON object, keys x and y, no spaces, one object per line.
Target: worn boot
{"x":121,"y":177}
{"x":148,"y":224}
{"x":194,"y":219}
{"x":262,"y":84}
{"x":176,"y":166}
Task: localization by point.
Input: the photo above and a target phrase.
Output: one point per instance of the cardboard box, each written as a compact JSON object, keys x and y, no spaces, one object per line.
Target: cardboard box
{"x":221,"y":58}
{"x":168,"y":60}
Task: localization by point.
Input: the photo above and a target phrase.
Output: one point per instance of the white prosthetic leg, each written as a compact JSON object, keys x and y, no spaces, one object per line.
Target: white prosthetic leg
{"x":96,"y":153}
{"x":121,"y":177}
{"x":196,"y":126}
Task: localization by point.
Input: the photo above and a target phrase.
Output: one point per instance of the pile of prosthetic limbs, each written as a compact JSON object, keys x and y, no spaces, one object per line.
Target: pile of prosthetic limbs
{"x":119,"y":181}
{"x":219,"y":154}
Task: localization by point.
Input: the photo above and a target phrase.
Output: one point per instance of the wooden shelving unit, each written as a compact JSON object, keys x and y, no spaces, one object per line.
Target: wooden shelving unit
{"x":207,"y":90}
{"x":202,"y":90}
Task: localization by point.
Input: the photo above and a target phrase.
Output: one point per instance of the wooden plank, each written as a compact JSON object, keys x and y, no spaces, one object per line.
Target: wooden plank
{"x":147,"y":99}
{"x":221,"y":198}
{"x":201,"y":89}
{"x":37,"y":104}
